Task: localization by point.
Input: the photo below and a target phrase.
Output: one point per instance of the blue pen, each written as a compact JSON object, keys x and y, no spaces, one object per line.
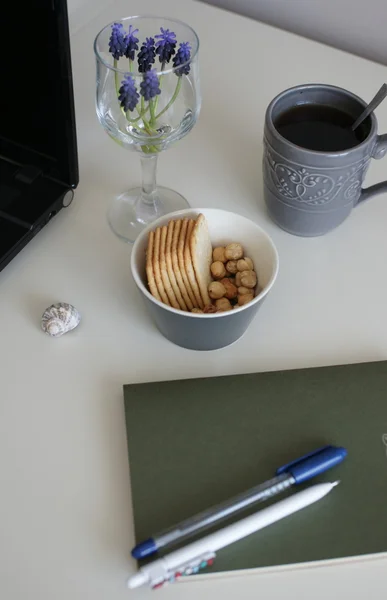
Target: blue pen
{"x":293,"y":473}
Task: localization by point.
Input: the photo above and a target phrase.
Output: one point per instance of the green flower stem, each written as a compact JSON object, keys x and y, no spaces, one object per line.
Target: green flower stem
{"x":147,"y":126}
{"x":172,"y":100}
{"x":116,"y":77}
{"x":150,"y":132}
{"x":150,"y":149}
{"x":140,"y":115}
{"x":161,"y":85}
{"x":130,"y":65}
{"x":142,"y":112}
{"x":136,"y":120}
{"x":152,"y":113}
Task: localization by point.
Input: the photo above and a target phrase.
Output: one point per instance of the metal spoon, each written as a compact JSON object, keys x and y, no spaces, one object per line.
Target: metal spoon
{"x":380,"y":96}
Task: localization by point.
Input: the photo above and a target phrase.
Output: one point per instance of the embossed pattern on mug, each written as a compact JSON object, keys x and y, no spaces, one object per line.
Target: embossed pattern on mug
{"x":299,"y":183}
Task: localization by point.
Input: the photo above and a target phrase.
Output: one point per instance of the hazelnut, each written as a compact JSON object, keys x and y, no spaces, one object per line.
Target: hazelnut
{"x":230,"y":289}
{"x":223,"y":304}
{"x":243,"y":290}
{"x":217,"y":270}
{"x":233,"y":251}
{"x":245,"y":299}
{"x":218,"y":254}
{"x":196,"y":310}
{"x":245,"y":264}
{"x":209,"y":308}
{"x":231,"y":266}
{"x":248,"y":279}
{"x":216,"y":290}
{"x":238,"y":282}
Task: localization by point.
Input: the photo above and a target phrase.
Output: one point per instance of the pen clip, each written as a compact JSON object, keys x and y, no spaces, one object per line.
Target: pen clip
{"x":314,"y":463}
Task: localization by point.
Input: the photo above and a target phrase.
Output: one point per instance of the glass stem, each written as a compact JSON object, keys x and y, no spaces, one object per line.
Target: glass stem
{"x":148,"y":205}
{"x":149,"y":167}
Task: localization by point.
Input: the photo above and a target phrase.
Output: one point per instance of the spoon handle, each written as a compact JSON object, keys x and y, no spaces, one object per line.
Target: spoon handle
{"x":382,"y":93}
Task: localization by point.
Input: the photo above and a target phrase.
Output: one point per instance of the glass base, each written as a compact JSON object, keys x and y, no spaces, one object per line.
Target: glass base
{"x":128,"y":214}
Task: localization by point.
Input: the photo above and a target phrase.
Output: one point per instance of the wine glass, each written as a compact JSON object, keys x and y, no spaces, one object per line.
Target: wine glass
{"x":147,"y":98}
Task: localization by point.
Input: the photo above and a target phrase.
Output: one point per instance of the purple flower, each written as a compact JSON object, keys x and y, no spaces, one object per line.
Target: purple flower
{"x":165,"y":45}
{"x":181,"y":58}
{"x":117,"y":43}
{"x":150,"y":86}
{"x":131,"y":42}
{"x":146,"y":56}
{"x":128,"y":95}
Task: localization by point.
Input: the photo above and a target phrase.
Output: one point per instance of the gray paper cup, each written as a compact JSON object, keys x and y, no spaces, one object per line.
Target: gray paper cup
{"x":210,"y":331}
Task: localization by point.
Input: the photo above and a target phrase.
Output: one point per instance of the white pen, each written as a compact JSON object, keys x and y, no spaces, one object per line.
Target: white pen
{"x":197,"y":555}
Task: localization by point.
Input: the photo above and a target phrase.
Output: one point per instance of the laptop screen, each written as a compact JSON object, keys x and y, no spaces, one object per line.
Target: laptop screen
{"x":37,"y":123}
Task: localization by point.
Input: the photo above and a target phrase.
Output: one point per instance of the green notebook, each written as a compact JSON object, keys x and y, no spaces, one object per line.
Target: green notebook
{"x":194,"y":443}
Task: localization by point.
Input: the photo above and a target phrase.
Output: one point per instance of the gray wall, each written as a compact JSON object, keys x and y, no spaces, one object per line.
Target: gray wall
{"x":359,"y":26}
{"x":83,"y":11}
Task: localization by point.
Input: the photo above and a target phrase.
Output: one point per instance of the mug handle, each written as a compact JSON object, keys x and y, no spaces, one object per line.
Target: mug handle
{"x":378,"y":151}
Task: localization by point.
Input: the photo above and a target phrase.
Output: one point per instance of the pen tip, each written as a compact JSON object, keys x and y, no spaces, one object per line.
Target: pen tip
{"x":335,"y":483}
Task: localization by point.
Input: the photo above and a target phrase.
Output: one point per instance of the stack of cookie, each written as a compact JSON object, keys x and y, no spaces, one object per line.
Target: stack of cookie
{"x":178,"y":263}
{"x":185,"y":273}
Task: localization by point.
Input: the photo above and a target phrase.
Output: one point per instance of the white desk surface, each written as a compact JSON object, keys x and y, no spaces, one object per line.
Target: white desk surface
{"x":65,"y":520}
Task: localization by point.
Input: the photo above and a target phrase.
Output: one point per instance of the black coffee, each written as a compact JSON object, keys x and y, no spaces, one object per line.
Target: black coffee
{"x":320,"y":127}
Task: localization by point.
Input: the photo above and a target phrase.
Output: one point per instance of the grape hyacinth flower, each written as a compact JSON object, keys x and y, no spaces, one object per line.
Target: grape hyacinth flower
{"x":150,"y":85}
{"x":182,"y":56}
{"x":131,"y":42}
{"x":165,"y":45}
{"x":128,"y":95}
{"x":117,"y":44}
{"x":145,"y":96}
{"x":146,"y":56}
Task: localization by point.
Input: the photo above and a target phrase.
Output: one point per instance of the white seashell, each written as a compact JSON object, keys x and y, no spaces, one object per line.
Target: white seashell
{"x":60,"y":318}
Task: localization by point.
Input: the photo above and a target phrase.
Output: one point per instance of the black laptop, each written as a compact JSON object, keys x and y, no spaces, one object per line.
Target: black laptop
{"x":38,"y":150}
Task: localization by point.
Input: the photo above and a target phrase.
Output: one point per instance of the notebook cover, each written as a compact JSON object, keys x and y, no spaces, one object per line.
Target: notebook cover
{"x":194,"y":443}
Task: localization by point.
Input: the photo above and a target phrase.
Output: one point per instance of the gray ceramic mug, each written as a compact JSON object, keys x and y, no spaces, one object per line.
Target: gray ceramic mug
{"x":307,"y":192}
